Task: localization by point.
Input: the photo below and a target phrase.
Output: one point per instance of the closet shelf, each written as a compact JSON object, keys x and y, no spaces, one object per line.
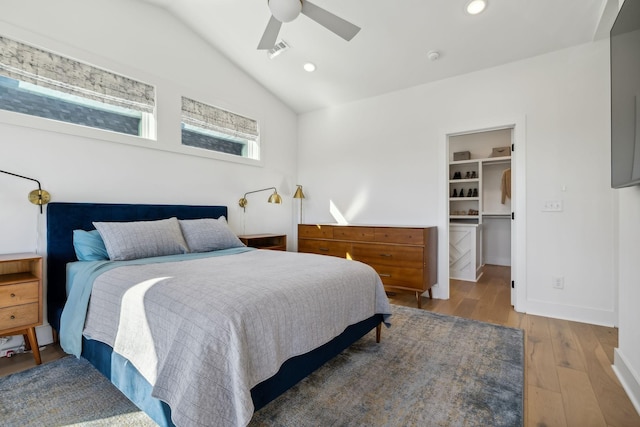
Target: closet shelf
{"x":487,"y":160}
{"x":497,"y":160}
{"x":462,"y":199}
{"x":455,"y":181}
{"x":497,"y":214}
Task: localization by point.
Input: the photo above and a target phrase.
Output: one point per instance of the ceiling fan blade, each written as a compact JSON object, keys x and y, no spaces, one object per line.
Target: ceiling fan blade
{"x":334,"y":23}
{"x":268,"y":40}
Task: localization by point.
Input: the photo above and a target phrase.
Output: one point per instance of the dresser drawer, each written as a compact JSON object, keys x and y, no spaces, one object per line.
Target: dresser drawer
{"x":399,"y":256}
{"x":325,"y":247}
{"x":407,"y":236}
{"x":315,"y":231}
{"x":17,"y":294}
{"x":353,"y":233}
{"x":19,"y":315}
{"x":405,"y":278}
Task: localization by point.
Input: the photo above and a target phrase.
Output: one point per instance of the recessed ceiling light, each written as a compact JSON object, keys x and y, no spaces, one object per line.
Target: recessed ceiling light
{"x":475,"y":7}
{"x":309,"y":67}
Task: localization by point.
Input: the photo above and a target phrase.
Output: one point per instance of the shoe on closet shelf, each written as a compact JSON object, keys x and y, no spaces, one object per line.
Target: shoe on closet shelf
{"x":473,"y":175}
{"x":455,"y":193}
{"x":470,"y":193}
{"x":475,"y":192}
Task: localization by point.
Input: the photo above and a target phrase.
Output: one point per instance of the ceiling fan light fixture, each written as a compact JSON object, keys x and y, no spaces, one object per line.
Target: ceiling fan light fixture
{"x":285,"y":10}
{"x":475,"y":7}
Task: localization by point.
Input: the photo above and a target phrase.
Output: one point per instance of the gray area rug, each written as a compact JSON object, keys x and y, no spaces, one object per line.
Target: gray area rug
{"x":429,"y":370}
{"x":65,"y":392}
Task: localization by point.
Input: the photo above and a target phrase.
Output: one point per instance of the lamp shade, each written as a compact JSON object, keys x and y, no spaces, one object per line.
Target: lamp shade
{"x":275,"y":198}
{"x":298,"y":194}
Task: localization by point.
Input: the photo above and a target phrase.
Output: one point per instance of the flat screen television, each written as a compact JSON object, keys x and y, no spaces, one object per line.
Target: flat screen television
{"x":625,"y":96}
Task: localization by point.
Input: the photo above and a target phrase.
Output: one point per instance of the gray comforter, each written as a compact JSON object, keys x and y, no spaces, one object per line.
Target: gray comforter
{"x":203,"y":332}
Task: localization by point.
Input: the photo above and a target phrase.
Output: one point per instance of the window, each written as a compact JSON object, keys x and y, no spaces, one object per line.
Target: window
{"x":44,"y":84}
{"x":215,"y":129}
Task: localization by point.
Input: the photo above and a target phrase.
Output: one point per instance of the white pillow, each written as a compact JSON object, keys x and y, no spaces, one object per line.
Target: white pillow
{"x":142,"y":239}
{"x":208,"y":234}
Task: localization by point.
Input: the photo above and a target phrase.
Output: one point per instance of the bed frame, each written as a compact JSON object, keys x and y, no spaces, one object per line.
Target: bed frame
{"x":63,"y":218}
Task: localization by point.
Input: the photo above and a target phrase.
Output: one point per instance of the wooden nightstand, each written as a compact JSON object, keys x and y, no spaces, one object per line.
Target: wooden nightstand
{"x":276,"y":242}
{"x":21,"y":297}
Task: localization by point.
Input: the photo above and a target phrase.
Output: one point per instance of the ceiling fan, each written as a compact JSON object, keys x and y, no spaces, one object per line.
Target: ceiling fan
{"x":288,"y":10}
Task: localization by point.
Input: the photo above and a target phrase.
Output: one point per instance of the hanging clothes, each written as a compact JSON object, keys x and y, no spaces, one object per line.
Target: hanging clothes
{"x":505,"y":185}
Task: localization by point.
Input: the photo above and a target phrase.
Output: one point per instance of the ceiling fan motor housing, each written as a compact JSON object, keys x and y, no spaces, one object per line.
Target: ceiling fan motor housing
{"x":285,"y":10}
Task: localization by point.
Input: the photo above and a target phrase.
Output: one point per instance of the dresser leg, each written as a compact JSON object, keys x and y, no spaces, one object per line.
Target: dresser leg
{"x":378,"y":332}
{"x":33,"y":342}
{"x":419,"y":298}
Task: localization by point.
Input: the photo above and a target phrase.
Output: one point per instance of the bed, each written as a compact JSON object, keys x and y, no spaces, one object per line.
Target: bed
{"x":133,"y":368}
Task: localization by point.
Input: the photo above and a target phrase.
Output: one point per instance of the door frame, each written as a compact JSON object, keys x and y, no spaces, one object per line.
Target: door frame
{"x":518,"y":204}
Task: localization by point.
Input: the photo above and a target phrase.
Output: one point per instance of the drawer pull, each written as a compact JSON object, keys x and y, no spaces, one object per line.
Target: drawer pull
{"x":323,"y":249}
{"x":386,"y":255}
{"x":384,"y":275}
{"x":13,"y":317}
{"x":13,"y":295}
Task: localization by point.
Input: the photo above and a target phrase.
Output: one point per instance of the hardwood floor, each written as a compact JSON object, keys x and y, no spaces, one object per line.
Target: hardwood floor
{"x":568,"y":375}
{"x":23,"y":361}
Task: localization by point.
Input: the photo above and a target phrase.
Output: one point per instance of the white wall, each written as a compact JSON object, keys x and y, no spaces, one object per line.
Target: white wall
{"x":146,"y":43}
{"x":627,"y":355}
{"x":377,"y":161}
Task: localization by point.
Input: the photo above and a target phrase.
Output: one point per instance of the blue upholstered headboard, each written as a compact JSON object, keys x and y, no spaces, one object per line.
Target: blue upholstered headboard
{"x":63,"y":218}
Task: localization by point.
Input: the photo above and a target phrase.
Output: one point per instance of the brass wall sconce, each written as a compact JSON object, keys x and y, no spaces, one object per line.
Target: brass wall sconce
{"x":37,"y":197}
{"x":299,"y":195}
{"x":274,"y":198}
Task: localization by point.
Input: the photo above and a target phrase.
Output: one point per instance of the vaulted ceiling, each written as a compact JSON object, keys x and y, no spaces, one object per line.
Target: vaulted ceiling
{"x":391,"y":50}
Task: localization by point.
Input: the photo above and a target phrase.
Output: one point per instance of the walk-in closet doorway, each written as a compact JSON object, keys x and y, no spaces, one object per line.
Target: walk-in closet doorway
{"x":485,"y":193}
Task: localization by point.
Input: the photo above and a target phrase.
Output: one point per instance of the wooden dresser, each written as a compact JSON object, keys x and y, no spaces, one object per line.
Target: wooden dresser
{"x":404,"y":257}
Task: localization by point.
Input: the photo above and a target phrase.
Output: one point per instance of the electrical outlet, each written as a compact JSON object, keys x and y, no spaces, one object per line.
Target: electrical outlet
{"x":552,"y":206}
{"x":557,"y":282}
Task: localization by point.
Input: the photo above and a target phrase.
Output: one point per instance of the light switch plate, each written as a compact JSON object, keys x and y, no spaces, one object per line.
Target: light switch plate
{"x":552,"y":206}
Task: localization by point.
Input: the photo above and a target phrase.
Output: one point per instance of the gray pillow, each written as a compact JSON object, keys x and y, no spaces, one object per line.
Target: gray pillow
{"x":142,"y":239}
{"x":208,"y":234}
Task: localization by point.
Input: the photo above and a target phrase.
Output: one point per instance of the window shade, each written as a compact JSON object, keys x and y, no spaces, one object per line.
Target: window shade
{"x":212,"y":118}
{"x":32,"y":65}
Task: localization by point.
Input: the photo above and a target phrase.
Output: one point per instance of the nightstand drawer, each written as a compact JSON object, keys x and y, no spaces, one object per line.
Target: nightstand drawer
{"x":398,"y":256}
{"x":19,"y":315}
{"x":22,"y":293}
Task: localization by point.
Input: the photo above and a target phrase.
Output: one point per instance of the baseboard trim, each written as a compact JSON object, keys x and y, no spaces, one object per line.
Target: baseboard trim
{"x":573,"y":313}
{"x":629,"y":380}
